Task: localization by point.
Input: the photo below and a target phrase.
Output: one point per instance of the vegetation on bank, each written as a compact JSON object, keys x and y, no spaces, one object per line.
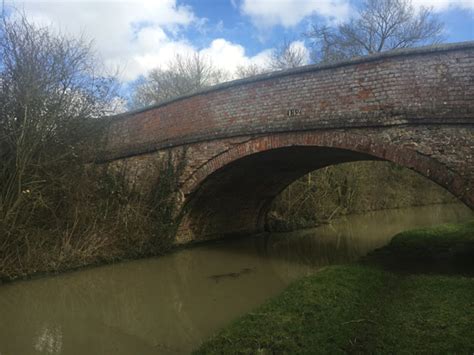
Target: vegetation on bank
{"x":351,"y":188}
{"x":57,"y":210}
{"x":101,"y":218}
{"x":372,"y":306}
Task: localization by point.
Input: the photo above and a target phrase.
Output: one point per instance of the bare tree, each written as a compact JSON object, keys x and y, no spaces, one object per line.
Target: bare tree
{"x":50,"y":95}
{"x":380,"y":25}
{"x":245,"y":71}
{"x":183,"y":75}
{"x":287,"y":55}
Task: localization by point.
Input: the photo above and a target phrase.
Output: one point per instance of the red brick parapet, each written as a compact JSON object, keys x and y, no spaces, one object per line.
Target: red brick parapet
{"x":430,"y":85}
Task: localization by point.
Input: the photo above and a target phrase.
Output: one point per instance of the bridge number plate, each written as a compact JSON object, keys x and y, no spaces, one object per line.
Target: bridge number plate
{"x":294,"y":112}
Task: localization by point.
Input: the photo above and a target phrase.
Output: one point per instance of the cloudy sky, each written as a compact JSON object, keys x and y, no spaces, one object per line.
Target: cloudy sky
{"x":138,"y":35}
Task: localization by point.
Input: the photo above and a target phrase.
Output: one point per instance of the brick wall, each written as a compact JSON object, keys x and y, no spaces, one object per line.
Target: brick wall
{"x":413,"y":86}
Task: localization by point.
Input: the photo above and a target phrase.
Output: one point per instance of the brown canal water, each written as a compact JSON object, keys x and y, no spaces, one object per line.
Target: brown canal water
{"x":170,"y":304}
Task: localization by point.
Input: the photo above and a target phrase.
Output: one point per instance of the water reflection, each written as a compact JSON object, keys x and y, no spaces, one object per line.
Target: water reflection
{"x":168,"y":305}
{"x":49,"y":340}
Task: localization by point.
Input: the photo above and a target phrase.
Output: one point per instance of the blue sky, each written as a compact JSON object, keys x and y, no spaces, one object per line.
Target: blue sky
{"x":139,"y":35}
{"x":238,"y":26}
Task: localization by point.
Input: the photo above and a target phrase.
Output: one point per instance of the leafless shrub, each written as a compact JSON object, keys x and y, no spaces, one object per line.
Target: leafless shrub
{"x":183,"y":75}
{"x":56,"y":211}
{"x":245,"y":71}
{"x":287,"y":55}
{"x":50,"y":96}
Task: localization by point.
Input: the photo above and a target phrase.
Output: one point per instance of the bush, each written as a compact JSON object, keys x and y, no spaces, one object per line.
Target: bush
{"x":57,"y":210}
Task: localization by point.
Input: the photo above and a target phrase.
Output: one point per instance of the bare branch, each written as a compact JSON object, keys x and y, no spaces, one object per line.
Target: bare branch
{"x":380,"y":25}
{"x":287,"y":55}
{"x":183,"y":75}
{"x":250,"y":70}
{"x":50,"y":98}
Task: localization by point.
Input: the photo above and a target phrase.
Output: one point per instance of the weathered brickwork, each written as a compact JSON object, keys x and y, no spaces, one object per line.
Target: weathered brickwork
{"x":415,"y":108}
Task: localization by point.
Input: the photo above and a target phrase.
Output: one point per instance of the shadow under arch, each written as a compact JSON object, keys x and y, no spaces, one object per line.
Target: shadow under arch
{"x":231,"y":193}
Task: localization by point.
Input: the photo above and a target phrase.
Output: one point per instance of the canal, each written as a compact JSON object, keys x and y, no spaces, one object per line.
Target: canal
{"x":170,"y":304}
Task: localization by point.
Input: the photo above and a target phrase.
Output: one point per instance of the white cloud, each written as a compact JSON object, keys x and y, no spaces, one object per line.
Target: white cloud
{"x":288,"y":13}
{"x":125,"y":34}
{"x":229,"y":56}
{"x":443,"y":5}
{"x":132,"y":36}
{"x":138,"y":35}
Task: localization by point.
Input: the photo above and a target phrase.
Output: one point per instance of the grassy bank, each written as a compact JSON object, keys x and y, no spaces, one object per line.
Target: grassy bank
{"x":373,"y":306}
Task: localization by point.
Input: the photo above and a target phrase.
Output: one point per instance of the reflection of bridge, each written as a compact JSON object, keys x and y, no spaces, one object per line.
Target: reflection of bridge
{"x":247,"y":140}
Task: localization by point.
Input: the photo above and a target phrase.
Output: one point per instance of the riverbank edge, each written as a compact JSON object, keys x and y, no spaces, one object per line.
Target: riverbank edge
{"x":370,"y":306}
{"x":316,"y":224}
{"x":173,"y":249}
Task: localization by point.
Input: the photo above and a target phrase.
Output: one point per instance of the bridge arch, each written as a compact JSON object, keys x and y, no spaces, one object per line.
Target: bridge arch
{"x":231,"y":193}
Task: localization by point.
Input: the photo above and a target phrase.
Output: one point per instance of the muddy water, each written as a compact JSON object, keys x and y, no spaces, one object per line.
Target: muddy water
{"x":170,"y":304}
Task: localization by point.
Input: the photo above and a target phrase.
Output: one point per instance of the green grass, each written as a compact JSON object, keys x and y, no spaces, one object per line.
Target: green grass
{"x":369,"y":307}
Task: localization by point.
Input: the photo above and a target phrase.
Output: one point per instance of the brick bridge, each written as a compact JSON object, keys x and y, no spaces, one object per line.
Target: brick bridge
{"x":246,"y":140}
